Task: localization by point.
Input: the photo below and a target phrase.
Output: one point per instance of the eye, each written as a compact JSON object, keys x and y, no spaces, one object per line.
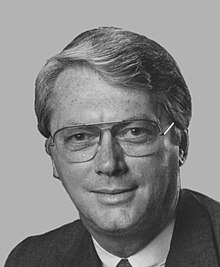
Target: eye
{"x":80,"y":140}
{"x":137,"y":131}
{"x":142,"y":133}
{"x":79,"y":137}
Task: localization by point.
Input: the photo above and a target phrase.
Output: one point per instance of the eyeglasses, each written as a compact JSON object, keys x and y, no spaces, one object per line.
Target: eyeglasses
{"x":80,"y":143}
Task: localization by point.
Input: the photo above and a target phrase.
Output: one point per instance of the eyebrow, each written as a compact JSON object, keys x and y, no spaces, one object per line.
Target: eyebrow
{"x":142,"y":116}
{"x":132,"y":118}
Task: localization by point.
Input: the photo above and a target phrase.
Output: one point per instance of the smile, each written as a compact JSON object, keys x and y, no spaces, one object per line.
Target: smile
{"x":115,"y":196}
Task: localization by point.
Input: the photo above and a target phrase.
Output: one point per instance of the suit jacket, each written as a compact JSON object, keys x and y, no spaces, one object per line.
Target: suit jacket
{"x":195,"y":241}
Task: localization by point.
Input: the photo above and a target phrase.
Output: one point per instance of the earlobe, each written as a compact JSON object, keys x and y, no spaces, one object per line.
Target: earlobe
{"x":182,"y":158}
{"x":183,"y":147}
{"x":47,"y":148}
{"x":55,"y":173}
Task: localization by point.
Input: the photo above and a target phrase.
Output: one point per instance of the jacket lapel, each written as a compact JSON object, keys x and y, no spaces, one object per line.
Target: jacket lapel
{"x":83,"y":253}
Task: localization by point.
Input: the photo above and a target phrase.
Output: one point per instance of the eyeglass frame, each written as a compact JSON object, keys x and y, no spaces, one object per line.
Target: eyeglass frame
{"x":51,"y":140}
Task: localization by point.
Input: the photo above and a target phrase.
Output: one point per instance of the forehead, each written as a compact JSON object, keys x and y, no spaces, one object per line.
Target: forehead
{"x":82,"y":96}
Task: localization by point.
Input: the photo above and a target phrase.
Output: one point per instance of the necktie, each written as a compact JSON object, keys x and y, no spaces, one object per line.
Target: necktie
{"x":123,"y":263}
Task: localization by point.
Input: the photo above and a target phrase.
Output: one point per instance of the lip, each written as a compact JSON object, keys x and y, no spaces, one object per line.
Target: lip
{"x":116,"y":196}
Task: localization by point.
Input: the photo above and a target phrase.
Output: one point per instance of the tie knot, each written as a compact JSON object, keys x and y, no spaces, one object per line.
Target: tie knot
{"x":123,"y":263}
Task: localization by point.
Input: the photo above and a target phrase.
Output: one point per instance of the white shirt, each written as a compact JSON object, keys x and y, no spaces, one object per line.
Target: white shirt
{"x":153,"y":255}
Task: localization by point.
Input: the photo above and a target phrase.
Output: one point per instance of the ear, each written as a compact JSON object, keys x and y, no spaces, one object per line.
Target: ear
{"x":55,"y":173}
{"x":47,"y":146}
{"x":183,"y":147}
{"x":48,"y":150}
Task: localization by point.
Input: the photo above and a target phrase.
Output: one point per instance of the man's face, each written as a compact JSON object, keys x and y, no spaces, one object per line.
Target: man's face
{"x":114,"y":192}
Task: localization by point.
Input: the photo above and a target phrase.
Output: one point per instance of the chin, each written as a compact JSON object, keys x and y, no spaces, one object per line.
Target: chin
{"x":113,"y":222}
{"x":115,"y":228}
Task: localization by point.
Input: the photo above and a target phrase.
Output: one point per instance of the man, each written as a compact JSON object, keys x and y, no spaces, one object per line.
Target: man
{"x":115,"y":109}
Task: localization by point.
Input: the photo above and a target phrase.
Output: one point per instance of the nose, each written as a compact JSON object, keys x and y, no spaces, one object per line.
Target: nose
{"x":109,"y":159}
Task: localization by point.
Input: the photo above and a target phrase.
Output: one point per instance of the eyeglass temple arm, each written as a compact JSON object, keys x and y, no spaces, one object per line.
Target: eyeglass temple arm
{"x":167,"y":130}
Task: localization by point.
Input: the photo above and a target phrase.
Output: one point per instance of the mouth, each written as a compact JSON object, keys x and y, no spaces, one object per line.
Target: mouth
{"x":116,"y":196}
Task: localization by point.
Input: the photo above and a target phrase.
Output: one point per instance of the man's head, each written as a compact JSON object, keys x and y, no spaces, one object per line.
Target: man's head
{"x":123,"y":59}
{"x":127,"y":182}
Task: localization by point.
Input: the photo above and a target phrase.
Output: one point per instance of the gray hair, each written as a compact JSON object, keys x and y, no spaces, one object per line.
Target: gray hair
{"x":123,"y":59}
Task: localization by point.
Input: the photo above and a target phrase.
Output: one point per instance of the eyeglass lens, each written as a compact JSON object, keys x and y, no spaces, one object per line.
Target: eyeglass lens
{"x":81,"y":143}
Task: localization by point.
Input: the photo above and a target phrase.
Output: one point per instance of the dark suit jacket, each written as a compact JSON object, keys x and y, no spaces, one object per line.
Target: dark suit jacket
{"x":195,"y":241}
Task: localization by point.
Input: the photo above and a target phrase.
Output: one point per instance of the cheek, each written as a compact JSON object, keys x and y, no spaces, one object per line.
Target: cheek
{"x":69,"y":177}
{"x":73,"y":180}
{"x":76,"y":178}
{"x":154,"y":173}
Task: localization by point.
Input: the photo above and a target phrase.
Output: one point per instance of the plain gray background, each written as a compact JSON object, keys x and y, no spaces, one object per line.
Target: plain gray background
{"x":32,"y":202}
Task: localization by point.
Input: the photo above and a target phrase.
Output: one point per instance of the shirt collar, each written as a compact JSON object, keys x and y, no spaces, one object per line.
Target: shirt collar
{"x":154,"y":254}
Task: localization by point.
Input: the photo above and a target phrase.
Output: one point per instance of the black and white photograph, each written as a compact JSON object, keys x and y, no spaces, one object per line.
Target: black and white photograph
{"x":110,"y":134}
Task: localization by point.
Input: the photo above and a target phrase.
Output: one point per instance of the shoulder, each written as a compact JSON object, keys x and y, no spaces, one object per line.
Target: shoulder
{"x":55,"y":243}
{"x":205,"y":207}
{"x":196,"y":236}
{"x":210,"y":205}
